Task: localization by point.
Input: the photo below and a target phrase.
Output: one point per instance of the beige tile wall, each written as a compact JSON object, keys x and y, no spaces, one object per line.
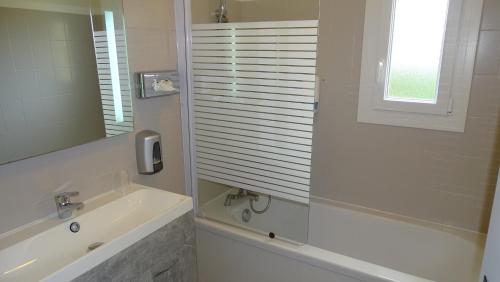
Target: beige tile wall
{"x":27,"y":187}
{"x":152,"y":46}
{"x":201,"y":11}
{"x":436,"y":176}
{"x":279,"y":10}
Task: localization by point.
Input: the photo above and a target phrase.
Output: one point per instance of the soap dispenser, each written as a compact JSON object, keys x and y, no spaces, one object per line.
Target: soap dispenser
{"x":148,"y":152}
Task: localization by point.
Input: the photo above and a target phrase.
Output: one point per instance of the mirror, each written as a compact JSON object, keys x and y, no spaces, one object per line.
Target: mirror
{"x":64,"y":77}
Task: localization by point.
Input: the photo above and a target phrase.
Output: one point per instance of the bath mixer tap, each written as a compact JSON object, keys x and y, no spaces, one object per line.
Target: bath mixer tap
{"x":64,"y":205}
{"x":242,"y":193}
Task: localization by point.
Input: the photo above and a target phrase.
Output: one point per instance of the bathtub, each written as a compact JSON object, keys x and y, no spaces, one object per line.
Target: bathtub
{"x":344,"y":244}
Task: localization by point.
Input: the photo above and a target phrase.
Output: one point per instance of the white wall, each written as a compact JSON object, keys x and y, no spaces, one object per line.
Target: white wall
{"x":27,"y":187}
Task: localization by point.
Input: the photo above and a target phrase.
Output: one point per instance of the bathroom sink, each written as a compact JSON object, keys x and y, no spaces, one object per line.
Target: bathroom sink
{"x":49,"y":251}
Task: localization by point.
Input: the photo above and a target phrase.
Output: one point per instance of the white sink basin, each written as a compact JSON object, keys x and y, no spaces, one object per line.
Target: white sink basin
{"x":49,"y":251}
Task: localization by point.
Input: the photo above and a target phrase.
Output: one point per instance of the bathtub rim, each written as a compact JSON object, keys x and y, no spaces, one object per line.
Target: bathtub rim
{"x":314,"y":256}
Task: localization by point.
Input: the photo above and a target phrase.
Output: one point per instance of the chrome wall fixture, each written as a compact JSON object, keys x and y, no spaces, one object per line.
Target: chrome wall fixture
{"x":156,"y":84}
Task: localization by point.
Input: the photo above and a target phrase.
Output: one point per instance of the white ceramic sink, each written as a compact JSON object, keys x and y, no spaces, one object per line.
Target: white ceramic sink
{"x":49,"y":251}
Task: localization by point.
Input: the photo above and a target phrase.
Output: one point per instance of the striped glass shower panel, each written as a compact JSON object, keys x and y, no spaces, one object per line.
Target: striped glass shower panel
{"x":254,"y":101}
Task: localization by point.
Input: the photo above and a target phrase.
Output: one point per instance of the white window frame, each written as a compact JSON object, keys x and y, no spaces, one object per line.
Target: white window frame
{"x":450,"y":110}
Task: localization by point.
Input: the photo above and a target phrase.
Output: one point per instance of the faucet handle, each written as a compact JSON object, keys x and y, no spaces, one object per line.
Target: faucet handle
{"x":68,"y":194}
{"x":64,"y":197}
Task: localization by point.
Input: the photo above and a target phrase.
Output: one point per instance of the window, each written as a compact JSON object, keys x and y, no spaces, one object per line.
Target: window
{"x":415,"y":50}
{"x":418,"y":59}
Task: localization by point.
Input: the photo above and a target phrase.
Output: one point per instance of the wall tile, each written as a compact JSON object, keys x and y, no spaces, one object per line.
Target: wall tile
{"x":39,"y":26}
{"x":60,"y":53}
{"x":27,"y":83}
{"x":57,"y":27}
{"x":46,"y":79}
{"x":8,"y":86}
{"x":491,"y":20}
{"x":149,"y":14}
{"x":152,"y":51}
{"x":81,"y":52}
{"x":20,"y":41}
{"x":485,"y":101}
{"x":488,"y":53}
{"x":12,"y":116}
{"x":42,"y":52}
{"x":75,"y":26}
{"x":64,"y":80}
{"x":6,"y":63}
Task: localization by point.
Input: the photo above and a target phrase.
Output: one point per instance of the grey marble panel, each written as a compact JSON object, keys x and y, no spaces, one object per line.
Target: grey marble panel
{"x":166,"y":255}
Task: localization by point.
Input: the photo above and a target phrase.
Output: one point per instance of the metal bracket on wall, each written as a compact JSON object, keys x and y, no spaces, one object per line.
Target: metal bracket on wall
{"x":316,"y":93}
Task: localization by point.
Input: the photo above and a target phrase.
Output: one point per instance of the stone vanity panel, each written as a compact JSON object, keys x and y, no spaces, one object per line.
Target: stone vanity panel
{"x":166,"y":255}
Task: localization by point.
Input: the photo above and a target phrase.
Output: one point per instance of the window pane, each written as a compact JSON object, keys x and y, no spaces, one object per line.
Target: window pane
{"x":417,"y":42}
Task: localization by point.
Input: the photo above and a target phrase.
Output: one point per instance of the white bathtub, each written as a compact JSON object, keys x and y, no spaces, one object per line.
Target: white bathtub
{"x":345,"y":245}
{"x":293,"y":217}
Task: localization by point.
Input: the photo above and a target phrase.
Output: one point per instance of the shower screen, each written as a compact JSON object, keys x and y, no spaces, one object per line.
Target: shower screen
{"x":254,"y":93}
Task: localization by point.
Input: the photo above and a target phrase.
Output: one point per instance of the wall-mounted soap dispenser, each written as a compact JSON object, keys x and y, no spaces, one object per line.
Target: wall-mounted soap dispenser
{"x":148,"y":152}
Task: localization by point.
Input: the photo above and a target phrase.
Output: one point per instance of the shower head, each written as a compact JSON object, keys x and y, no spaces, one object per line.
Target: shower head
{"x":221,"y":12}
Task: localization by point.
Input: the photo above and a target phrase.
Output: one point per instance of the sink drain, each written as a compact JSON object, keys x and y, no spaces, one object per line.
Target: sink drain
{"x":74,"y":227}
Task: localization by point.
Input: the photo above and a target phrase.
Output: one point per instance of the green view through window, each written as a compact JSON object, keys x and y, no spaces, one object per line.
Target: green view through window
{"x":416,"y":49}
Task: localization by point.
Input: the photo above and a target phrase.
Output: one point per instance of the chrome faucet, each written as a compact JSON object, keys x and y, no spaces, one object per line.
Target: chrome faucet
{"x":242,"y":193}
{"x":64,"y":205}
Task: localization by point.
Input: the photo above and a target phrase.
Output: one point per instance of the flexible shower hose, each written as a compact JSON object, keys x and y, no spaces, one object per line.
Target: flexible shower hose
{"x":261,"y":211}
